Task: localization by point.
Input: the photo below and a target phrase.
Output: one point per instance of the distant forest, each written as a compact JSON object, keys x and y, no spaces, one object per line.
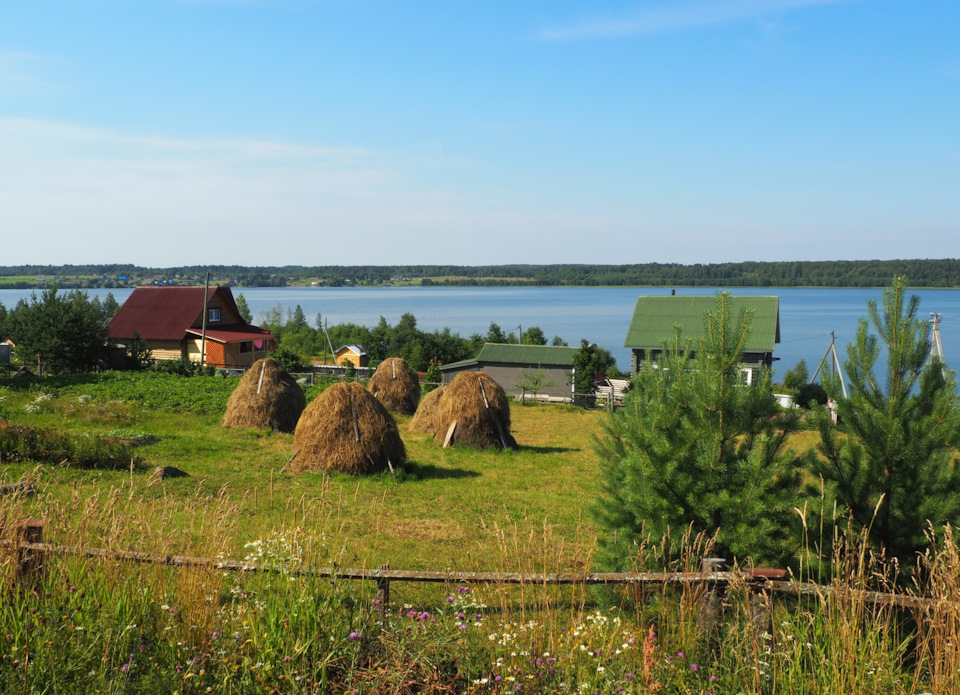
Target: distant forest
{"x":918,"y":272}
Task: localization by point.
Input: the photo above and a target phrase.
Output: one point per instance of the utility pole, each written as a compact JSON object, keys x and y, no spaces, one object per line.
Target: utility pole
{"x":936,"y":347}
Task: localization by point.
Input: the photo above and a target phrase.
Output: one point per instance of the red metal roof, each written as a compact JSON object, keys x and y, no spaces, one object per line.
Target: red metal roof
{"x":165,"y":313}
{"x":232,"y":334}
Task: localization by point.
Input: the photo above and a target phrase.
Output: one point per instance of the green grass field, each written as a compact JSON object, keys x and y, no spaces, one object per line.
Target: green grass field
{"x":105,"y":626}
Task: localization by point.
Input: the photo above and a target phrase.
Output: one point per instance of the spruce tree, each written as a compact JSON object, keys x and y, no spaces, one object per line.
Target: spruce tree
{"x":694,"y":447}
{"x":894,"y":471}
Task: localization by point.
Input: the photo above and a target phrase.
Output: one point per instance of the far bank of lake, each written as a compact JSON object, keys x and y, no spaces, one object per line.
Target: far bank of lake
{"x":598,"y":314}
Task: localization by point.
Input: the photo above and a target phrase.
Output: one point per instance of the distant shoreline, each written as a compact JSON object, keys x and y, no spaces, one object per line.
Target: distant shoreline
{"x":867,"y":274}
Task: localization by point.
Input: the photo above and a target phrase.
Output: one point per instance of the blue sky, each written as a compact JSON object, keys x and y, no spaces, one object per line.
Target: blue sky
{"x":316,"y":132}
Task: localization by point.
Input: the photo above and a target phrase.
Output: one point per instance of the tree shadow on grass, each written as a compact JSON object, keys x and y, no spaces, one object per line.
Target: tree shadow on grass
{"x":428,"y":471}
{"x":550,"y":449}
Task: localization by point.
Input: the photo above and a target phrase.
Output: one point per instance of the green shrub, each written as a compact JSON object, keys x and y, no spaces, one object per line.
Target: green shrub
{"x":47,"y":446}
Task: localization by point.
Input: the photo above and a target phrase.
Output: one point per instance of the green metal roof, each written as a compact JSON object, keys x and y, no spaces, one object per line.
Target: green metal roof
{"x":504,"y":353}
{"x":655,"y":317}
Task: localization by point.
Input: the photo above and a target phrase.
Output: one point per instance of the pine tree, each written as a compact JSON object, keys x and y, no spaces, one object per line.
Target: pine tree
{"x":695,"y":448}
{"x":244,"y":309}
{"x":894,"y":471}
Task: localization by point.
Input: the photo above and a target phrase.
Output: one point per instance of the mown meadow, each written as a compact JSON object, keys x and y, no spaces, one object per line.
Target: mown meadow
{"x":102,"y":625}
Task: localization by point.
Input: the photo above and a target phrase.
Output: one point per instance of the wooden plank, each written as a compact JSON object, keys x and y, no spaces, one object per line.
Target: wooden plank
{"x":356,"y":424}
{"x":503,"y":437}
{"x":260,"y":383}
{"x":449,"y":438}
{"x":485,"y":401}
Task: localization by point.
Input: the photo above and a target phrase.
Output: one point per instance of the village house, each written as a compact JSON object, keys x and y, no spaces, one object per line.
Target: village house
{"x":354,"y":354}
{"x":655,"y":319}
{"x":515,"y":367}
{"x":170,"y":321}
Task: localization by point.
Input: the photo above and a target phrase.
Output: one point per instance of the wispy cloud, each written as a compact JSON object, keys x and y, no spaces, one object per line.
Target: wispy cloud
{"x":679,"y":16}
{"x":22,"y":73}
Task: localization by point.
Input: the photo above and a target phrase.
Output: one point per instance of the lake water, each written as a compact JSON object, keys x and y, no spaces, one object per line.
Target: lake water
{"x":599,"y":314}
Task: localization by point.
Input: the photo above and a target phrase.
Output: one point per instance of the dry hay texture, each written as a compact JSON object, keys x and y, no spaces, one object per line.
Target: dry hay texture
{"x":423,"y":419}
{"x":396,"y":386}
{"x":476,"y":418}
{"x":327,"y":434}
{"x":277,"y":406}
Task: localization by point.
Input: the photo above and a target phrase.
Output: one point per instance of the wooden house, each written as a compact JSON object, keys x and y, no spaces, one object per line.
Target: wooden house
{"x":513,"y":366}
{"x":170,"y":320}
{"x":354,"y":354}
{"x":655,"y":319}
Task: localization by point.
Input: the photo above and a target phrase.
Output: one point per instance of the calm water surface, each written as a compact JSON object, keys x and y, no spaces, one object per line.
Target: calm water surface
{"x":599,"y":314}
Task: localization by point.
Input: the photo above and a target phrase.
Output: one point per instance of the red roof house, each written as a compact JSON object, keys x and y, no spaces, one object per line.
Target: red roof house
{"x":170,"y":321}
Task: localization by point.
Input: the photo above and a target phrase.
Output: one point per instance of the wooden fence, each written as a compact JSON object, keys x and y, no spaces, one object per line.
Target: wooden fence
{"x":31,"y":552}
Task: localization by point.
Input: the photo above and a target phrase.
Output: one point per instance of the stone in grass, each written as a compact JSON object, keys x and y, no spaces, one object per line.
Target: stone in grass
{"x":164,"y":472}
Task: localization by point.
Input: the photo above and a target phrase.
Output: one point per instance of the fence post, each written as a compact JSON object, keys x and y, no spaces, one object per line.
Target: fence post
{"x":383,"y":591}
{"x":29,"y":561}
{"x":712,"y":599}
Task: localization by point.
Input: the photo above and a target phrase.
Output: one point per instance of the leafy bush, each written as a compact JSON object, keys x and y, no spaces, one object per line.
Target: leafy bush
{"x":183,"y":367}
{"x":48,"y":446}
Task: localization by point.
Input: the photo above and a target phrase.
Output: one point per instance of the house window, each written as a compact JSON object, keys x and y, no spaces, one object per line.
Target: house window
{"x":213,"y":315}
{"x":246,"y":346}
{"x":746,"y":376}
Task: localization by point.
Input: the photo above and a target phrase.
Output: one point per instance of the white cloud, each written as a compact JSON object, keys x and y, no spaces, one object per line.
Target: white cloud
{"x":679,"y":16}
{"x":21,"y":73}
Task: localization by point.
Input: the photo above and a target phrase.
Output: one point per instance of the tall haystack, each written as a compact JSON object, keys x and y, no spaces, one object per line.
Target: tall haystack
{"x":266,"y":398}
{"x":396,"y":386}
{"x":346,"y":430}
{"x":474,"y":411}
{"x":423,"y":419}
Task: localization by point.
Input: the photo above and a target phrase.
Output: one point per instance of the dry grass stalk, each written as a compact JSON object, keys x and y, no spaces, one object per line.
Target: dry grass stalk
{"x":346,"y":430}
{"x":396,"y":386}
{"x":481,"y":410}
{"x":266,"y":398}
{"x":423,"y":419}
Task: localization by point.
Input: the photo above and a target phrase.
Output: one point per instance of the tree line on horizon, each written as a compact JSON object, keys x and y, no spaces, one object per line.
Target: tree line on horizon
{"x":866,"y":273}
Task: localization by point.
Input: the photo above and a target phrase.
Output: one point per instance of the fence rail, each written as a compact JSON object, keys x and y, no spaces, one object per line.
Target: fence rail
{"x":31,"y":552}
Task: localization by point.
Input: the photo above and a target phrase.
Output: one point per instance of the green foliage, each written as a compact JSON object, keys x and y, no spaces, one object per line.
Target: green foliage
{"x":290,"y":360}
{"x":589,"y":361}
{"x":534,"y":382}
{"x":798,"y":376}
{"x":182,"y":366}
{"x":695,"y":448}
{"x":433,"y":376}
{"x":67,"y":329}
{"x":29,"y":444}
{"x":894,"y":472}
{"x":243,"y":308}
{"x":149,"y":389}
{"x":533,"y":336}
{"x":138,"y":355}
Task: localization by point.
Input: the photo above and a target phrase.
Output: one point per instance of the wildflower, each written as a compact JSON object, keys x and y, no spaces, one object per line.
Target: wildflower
{"x":287,"y":659}
{"x":354,"y":636}
{"x":694,"y":667}
{"x":125,"y":668}
{"x":681,"y":655}
{"x":713,"y":678}
{"x":629,"y":676}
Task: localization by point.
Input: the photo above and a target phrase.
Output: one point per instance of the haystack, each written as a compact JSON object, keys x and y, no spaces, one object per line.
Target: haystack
{"x":423,"y":419}
{"x":346,"y":430}
{"x":266,"y":398}
{"x":477,"y":410}
{"x":396,"y":386}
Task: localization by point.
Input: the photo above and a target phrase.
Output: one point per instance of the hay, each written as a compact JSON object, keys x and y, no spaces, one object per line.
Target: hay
{"x":426,"y":413}
{"x":396,"y":386}
{"x":346,"y":430}
{"x":266,"y":398}
{"x":476,"y":417}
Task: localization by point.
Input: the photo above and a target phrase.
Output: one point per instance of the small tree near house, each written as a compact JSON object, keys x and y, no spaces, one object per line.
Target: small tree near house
{"x":534,"y":382}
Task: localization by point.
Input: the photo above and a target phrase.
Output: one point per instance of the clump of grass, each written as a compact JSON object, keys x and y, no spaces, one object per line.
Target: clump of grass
{"x":31,"y":444}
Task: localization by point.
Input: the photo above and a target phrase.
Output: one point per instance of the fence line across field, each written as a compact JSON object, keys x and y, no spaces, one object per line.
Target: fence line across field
{"x":31,"y":551}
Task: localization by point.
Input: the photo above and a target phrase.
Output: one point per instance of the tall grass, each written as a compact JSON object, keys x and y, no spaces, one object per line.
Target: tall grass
{"x":103,"y":625}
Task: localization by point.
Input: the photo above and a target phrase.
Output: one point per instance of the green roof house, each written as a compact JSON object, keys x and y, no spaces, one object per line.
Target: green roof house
{"x":512,"y":365}
{"x":655,"y":319}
